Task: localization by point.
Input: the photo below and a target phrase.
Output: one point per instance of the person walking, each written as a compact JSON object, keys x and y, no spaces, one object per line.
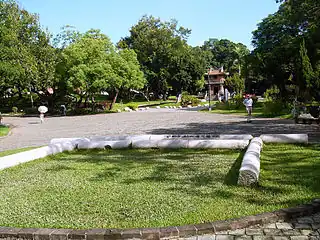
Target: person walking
{"x":248,"y":103}
{"x":42,"y":110}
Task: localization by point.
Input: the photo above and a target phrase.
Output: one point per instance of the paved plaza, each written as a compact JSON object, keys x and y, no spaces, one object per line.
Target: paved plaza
{"x":27,"y":131}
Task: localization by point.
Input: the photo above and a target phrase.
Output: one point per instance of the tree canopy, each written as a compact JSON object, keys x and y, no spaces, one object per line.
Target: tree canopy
{"x":166,"y":59}
{"x":156,"y":58}
{"x":287,"y":48}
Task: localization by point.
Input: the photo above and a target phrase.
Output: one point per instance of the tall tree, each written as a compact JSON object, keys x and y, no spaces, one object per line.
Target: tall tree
{"x":27,"y":60}
{"x":93,"y":65}
{"x":164,"y":55}
{"x":277,"y":43}
{"x":226,"y":53}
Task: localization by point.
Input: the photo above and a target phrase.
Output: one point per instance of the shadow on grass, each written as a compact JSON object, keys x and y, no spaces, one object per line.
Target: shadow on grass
{"x":232,"y":176}
{"x":289,"y":173}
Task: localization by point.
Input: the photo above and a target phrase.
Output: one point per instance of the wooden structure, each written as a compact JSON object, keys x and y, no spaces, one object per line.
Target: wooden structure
{"x":215,"y":81}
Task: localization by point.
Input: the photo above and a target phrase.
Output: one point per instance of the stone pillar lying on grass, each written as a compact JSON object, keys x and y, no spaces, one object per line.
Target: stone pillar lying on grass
{"x":285,"y":138}
{"x":250,"y":167}
{"x":104,"y":144}
{"x":166,"y":143}
{"x":219,"y":143}
{"x":183,"y":143}
{"x":236,"y":136}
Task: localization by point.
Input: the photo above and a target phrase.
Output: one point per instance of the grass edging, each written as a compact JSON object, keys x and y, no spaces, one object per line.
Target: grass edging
{"x":15,"y":151}
{"x":166,"y":232}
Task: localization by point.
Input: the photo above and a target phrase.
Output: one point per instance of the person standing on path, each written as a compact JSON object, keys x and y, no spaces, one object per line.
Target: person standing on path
{"x":248,"y":103}
{"x":42,"y":110}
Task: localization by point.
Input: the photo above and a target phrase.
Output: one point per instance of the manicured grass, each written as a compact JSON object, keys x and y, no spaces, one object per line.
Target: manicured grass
{"x":134,"y":105}
{"x":257,"y":111}
{"x":289,"y":174}
{"x":4,"y":130}
{"x":148,"y":188}
{"x":9,"y":152}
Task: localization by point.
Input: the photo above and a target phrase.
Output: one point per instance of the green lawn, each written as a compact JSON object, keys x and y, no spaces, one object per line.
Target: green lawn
{"x":256,"y":112}
{"x":4,"y":130}
{"x":147,"y":188}
{"x":289,"y":174}
{"x":134,"y":105}
{"x":9,"y":152}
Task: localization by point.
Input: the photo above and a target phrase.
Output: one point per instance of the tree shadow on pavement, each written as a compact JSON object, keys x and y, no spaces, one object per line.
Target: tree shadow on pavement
{"x":256,"y":128}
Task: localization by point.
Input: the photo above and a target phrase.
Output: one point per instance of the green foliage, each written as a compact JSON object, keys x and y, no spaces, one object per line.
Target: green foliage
{"x":81,"y":111}
{"x":27,"y":61}
{"x":30,"y":110}
{"x":238,"y":100}
{"x":235,"y":83}
{"x":309,"y":76}
{"x":272,"y":94}
{"x":14,"y":151}
{"x":281,"y":43}
{"x":133,"y":106}
{"x":273,"y":108}
{"x":4,"y":130}
{"x":273,"y":104}
{"x":187,"y":99}
{"x":93,"y":65}
{"x":15,"y":110}
{"x":226,"y":53}
{"x":166,"y":59}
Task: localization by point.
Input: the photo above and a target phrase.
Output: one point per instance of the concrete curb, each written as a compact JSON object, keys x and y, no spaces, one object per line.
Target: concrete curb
{"x":30,"y":155}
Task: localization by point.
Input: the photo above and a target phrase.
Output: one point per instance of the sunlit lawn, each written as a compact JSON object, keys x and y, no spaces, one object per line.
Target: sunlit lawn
{"x":13,"y":151}
{"x":257,"y":111}
{"x":147,"y":188}
{"x":4,"y":130}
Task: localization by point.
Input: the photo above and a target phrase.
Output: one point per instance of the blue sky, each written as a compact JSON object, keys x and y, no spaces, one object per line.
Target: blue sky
{"x":231,"y":19}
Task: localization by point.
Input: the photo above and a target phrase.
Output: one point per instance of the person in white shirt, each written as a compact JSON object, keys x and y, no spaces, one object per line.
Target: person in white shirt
{"x":248,"y":103}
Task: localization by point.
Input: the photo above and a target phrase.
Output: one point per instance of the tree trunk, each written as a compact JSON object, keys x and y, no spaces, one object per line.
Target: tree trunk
{"x":114,"y":100}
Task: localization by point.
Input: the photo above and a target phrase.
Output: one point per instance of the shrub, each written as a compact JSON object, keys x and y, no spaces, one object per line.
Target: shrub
{"x":31,"y":111}
{"x":238,"y":100}
{"x":81,"y":111}
{"x":133,"y":106}
{"x":172,"y":98}
{"x":15,"y":110}
{"x":273,"y":108}
{"x":272,"y":93}
{"x":189,"y":100}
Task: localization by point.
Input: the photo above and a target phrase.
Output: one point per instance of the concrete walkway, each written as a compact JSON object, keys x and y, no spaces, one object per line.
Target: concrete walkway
{"x":29,"y":132}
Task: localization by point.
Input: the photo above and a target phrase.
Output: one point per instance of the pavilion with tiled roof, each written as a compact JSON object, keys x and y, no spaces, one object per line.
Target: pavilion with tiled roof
{"x":215,"y":79}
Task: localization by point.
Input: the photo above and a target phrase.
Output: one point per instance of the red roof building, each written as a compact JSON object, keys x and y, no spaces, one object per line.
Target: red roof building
{"x":215,"y":80}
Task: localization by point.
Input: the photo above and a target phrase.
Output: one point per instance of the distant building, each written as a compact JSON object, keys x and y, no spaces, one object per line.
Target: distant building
{"x":215,"y":81}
